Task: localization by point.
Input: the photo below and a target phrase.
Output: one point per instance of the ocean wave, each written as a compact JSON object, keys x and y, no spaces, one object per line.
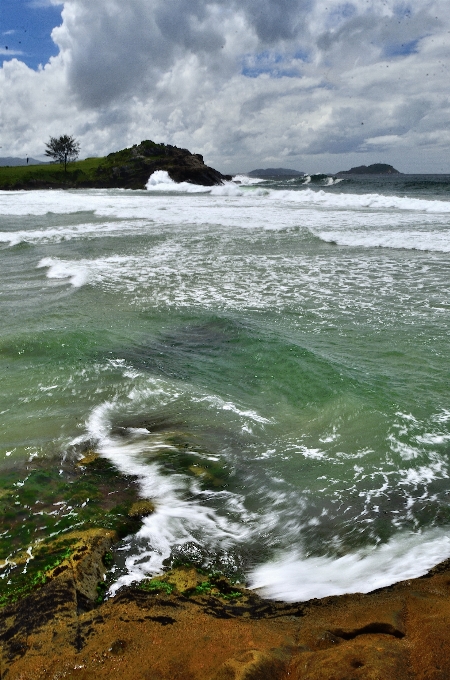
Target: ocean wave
{"x":296,"y":578}
{"x":161,"y":181}
{"x":245,"y":180}
{"x":137,"y":205}
{"x":359,"y":201}
{"x":185,"y":517}
{"x":77,"y":231}
{"x":77,"y":274}
{"x":431,"y":240}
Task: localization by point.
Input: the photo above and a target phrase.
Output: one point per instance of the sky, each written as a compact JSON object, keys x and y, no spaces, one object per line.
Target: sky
{"x":314,"y":85}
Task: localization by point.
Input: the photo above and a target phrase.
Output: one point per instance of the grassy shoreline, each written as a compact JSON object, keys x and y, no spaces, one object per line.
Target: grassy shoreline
{"x":125,"y":169}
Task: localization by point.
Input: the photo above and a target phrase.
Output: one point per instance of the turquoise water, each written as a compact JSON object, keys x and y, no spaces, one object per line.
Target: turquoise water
{"x":270,"y":359}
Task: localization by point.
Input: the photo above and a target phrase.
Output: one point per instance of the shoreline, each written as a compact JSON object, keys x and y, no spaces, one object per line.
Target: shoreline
{"x":186,"y":624}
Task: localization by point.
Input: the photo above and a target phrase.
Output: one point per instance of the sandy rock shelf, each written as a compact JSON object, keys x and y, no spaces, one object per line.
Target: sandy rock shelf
{"x":59,"y":631}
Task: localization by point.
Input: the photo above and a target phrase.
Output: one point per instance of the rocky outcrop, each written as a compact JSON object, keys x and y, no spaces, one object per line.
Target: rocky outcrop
{"x":131,"y":168}
{"x":187,"y":626}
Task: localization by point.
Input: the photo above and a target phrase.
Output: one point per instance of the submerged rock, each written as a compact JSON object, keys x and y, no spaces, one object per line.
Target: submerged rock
{"x":140,"y":509}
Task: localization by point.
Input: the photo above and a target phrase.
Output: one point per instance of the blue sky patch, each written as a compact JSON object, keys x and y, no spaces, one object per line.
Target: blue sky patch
{"x":274,"y":64}
{"x":402,"y":49}
{"x":25,"y":28}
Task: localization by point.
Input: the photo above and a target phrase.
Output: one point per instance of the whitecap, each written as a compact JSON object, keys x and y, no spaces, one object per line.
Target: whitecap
{"x":296,"y":578}
{"x":60,"y":269}
{"x":160,"y":180}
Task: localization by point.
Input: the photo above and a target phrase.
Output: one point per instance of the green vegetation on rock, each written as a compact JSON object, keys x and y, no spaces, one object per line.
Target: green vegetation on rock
{"x":190,"y":581}
{"x":43,"y":504}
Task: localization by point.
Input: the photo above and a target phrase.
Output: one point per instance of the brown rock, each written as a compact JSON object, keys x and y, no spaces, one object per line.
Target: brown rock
{"x":398,"y":633}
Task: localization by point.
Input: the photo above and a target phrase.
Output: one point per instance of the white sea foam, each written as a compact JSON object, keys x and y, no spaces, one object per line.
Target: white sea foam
{"x":161,"y":181}
{"x":60,"y":269}
{"x":192,"y":204}
{"x":245,"y":180}
{"x":78,"y":231}
{"x":296,"y":578}
{"x":436,"y":240}
{"x":360,"y":201}
{"x":182,"y":513}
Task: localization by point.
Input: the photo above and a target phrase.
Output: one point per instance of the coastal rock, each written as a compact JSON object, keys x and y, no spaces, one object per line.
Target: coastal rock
{"x":159,"y":633}
{"x":141,"y":509}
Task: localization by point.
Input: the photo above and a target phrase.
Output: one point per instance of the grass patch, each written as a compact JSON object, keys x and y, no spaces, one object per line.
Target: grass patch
{"x":29,"y":176}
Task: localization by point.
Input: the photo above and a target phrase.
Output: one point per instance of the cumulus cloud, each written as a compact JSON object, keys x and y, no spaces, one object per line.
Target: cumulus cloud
{"x":311,"y":84}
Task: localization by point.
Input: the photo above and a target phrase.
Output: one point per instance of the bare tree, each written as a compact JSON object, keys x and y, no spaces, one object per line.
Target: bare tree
{"x":63,"y":149}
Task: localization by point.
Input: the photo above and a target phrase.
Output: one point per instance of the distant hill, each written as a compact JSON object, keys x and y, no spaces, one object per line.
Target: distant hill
{"x":275,"y":172}
{"x":375,"y":169}
{"x":13,"y":162}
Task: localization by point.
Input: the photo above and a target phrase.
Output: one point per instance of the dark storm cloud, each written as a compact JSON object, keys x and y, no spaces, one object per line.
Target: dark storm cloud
{"x":117,"y":47}
{"x":274,"y":21}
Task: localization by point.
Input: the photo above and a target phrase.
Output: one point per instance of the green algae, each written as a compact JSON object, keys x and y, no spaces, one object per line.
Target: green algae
{"x":215,"y":584}
{"x":157,"y":586}
{"x":102,"y":587}
{"x":21,"y":577}
{"x":45,"y":500}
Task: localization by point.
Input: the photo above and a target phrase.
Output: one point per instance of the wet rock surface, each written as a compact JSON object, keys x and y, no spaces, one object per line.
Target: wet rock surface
{"x":192,"y":632}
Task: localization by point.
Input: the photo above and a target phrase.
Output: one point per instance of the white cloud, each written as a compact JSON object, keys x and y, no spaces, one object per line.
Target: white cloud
{"x":244,"y":83}
{"x":37,"y":4}
{"x":9,"y":53}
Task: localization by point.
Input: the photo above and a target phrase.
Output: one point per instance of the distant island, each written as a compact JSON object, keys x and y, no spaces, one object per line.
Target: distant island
{"x":275,"y":172}
{"x":12,"y":161}
{"x":374,"y":169}
{"x":126,"y":169}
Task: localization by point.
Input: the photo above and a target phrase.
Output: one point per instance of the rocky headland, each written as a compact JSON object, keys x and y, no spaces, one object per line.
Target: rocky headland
{"x":126,"y":169}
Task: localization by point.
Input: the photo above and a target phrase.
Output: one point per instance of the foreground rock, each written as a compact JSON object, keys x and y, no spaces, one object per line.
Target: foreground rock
{"x":187,"y":626}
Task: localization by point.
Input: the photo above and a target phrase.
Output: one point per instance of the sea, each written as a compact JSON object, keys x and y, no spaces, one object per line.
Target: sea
{"x":270,"y":359}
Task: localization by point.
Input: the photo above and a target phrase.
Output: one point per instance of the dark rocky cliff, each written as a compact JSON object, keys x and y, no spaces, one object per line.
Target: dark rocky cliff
{"x":131,"y":168}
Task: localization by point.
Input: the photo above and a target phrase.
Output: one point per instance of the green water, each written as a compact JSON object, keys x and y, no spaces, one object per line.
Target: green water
{"x":273,"y":367}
